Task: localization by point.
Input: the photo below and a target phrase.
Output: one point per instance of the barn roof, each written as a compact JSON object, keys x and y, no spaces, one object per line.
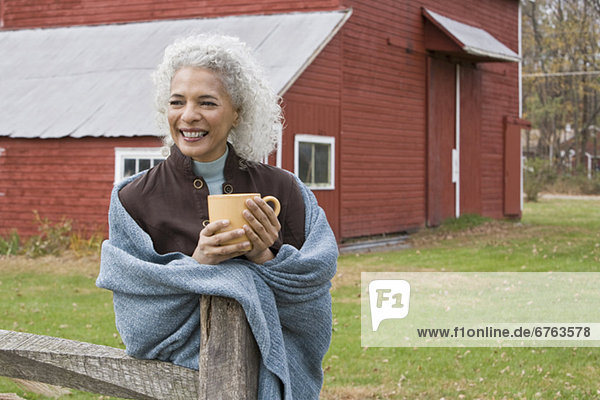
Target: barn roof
{"x":472,"y":40}
{"x":95,"y":80}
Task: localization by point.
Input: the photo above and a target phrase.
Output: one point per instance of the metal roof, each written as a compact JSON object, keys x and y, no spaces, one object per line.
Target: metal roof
{"x":95,"y":80}
{"x":474,"y":41}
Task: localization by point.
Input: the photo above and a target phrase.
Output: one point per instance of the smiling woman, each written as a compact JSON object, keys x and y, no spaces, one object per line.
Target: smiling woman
{"x":210,"y":92}
{"x":200,"y":114}
{"x":220,"y":116}
{"x":242,"y":78}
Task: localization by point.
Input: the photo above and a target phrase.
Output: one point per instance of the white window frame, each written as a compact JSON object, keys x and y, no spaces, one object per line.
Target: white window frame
{"x":121,"y":153}
{"x":321,"y":140}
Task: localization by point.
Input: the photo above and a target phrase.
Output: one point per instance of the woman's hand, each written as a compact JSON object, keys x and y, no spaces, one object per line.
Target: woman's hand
{"x":210,"y":249}
{"x":262,"y":230}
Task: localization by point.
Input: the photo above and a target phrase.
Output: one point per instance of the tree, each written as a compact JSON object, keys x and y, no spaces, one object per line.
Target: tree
{"x":561,"y":64}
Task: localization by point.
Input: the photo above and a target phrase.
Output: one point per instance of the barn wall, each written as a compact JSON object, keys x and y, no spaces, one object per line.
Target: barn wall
{"x":441,"y":128}
{"x":312,"y":106}
{"x":53,"y":13}
{"x":383,"y":119}
{"x":367,"y":88}
{"x":59,"y":178}
{"x":499,"y":89}
{"x":500,"y":98}
{"x":383,"y":132}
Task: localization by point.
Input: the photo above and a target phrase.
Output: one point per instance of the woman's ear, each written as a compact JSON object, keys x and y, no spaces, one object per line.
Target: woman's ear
{"x":236,"y":119}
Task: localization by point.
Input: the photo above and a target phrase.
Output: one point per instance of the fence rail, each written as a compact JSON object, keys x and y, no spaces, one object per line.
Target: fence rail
{"x":229,"y":362}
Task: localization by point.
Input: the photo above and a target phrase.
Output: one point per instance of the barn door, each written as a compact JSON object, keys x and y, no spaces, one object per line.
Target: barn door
{"x":512,"y":166}
{"x":441,"y":136}
{"x":470,"y":140}
{"x":453,"y":140}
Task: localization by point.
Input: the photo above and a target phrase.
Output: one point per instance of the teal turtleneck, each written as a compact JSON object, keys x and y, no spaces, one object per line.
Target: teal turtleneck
{"x":212,"y":173}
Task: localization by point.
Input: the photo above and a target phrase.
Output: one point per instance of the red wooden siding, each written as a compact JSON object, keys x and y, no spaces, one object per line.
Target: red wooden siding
{"x":312,"y":106}
{"x":59,"y":178}
{"x":499,"y":99}
{"x":368,"y":89}
{"x":382,"y":162}
{"x":512,"y":170}
{"x":499,"y":89}
{"x":512,"y":166}
{"x":384,"y":113}
{"x":470,"y":140}
{"x":46,"y":13}
{"x":441,"y":139}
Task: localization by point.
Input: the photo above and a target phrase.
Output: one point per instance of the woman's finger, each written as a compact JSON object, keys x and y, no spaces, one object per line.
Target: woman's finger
{"x":212,"y":245}
{"x":256,"y":211}
{"x":214,"y":227}
{"x":220,"y":239}
{"x":255,"y":222}
{"x":267,"y":211}
{"x":260,"y":214}
{"x":254,"y":238}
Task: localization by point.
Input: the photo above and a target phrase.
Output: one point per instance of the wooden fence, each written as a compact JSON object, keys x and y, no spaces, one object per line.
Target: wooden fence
{"x":229,"y":362}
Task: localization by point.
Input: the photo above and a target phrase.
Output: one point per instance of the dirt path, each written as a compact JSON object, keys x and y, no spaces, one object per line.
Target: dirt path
{"x":569,"y":196}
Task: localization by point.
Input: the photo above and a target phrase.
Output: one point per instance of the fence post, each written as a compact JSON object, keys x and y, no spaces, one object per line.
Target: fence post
{"x":229,"y":355}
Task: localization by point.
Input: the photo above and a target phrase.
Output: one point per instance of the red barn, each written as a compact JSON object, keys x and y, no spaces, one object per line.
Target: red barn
{"x":398,"y":114}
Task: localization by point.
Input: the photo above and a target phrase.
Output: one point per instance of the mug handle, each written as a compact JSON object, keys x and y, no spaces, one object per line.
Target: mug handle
{"x":275,"y":202}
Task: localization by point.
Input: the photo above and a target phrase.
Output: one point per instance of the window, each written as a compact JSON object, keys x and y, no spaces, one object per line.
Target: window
{"x":130,"y":161}
{"x":314,"y":161}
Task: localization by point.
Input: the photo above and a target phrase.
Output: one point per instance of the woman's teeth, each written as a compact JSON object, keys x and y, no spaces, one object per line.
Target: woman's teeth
{"x":194,"y":134}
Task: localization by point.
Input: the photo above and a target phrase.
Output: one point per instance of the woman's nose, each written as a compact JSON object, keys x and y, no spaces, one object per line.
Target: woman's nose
{"x":190,"y":113}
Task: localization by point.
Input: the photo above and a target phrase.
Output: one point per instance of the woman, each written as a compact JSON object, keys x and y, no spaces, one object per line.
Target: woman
{"x":221,"y":118}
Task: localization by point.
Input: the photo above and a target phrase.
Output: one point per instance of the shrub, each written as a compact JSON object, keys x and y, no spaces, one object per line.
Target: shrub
{"x":576,"y":184}
{"x":82,"y":245}
{"x":537,"y":174}
{"x":590,"y":186}
{"x":53,"y":238}
{"x":10,"y":245}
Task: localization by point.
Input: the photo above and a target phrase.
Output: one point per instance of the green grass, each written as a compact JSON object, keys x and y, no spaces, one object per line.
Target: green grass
{"x":57,"y":296}
{"x":553,"y":235}
{"x":77,"y":308}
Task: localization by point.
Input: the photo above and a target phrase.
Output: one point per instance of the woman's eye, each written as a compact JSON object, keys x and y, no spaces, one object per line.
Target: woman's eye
{"x":208,"y":104}
{"x":175,"y":102}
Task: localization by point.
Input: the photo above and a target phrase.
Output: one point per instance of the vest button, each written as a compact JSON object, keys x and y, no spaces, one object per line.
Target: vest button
{"x":198,"y":183}
{"x":227,"y":188}
{"x":205,"y":222}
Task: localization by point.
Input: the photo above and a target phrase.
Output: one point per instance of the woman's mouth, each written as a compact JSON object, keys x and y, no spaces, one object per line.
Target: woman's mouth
{"x":193,"y":134}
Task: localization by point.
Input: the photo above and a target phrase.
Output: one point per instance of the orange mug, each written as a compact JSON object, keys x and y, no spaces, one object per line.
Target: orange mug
{"x":231,"y":207}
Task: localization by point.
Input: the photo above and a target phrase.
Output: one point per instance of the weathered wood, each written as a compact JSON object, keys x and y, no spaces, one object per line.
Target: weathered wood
{"x":10,"y":396}
{"x":229,"y":362}
{"x":229,"y":355}
{"x":93,"y":368}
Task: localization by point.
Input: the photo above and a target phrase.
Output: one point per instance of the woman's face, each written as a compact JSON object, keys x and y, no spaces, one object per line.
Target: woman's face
{"x":200,"y":113}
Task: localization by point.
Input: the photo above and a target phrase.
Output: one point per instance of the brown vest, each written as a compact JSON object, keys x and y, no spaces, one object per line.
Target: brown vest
{"x":169,"y":201}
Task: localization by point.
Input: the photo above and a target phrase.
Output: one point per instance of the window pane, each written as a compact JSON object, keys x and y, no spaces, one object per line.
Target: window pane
{"x":144,"y":164}
{"x":321,"y":167}
{"x":133,"y":160}
{"x":128,"y":167}
{"x":305,"y":151}
{"x":314,"y":163}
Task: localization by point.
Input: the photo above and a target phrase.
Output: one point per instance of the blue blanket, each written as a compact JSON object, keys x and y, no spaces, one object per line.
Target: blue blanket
{"x":286,"y":300}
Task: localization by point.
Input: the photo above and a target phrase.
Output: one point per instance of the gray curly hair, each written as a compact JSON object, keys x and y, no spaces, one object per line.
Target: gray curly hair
{"x":257,"y":104}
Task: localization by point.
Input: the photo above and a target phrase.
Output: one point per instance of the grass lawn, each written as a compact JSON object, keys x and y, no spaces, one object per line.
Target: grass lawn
{"x":57,"y":296}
